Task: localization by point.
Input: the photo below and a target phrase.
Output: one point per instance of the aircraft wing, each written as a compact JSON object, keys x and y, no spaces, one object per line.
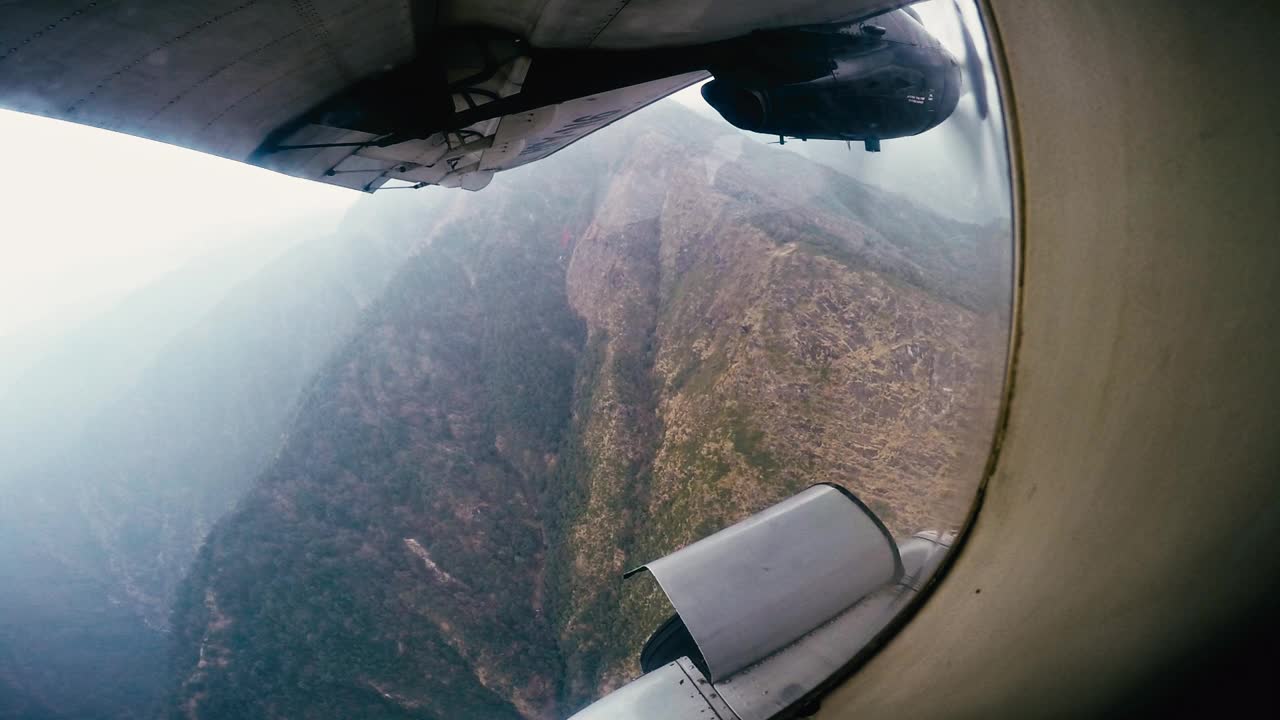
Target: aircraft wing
{"x":336,"y":90}
{"x":467,"y":158}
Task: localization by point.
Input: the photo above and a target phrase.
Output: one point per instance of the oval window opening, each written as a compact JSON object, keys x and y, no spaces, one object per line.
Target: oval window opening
{"x":662,"y":383}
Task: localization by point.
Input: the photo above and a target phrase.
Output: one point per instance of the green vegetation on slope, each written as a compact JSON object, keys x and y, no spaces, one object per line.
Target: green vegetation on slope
{"x":99,"y":533}
{"x":390,"y":560}
{"x":596,"y":361}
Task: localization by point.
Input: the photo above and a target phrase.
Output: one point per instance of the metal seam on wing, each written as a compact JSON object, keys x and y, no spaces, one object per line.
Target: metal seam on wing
{"x":141,"y":58}
{"x":38,"y":34}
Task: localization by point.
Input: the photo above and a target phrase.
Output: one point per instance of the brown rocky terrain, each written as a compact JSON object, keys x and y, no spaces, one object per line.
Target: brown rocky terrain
{"x":749,"y":345}
{"x":591,"y":363}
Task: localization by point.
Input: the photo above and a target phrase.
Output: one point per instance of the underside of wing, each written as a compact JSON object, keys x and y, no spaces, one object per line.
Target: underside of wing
{"x":497,"y":116}
{"x":422,"y":91}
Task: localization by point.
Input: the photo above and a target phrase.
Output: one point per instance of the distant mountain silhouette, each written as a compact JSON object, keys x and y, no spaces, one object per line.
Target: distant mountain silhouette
{"x":142,"y":428}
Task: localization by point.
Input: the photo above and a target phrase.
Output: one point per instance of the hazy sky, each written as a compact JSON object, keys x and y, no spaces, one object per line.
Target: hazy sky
{"x":87,"y":213}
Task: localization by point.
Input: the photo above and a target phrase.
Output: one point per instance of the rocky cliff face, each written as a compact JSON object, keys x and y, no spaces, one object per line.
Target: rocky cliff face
{"x":749,"y":337}
{"x":594,"y":362}
{"x":97,"y":535}
{"x":391,"y":560}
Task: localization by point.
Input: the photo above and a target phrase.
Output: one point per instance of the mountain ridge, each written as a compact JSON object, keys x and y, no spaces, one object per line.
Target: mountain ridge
{"x":106,"y":527}
{"x":585,"y":370}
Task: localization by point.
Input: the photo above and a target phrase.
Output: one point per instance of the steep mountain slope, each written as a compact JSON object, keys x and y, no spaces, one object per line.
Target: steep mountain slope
{"x":97,"y":536}
{"x":752,"y":337}
{"x":156,"y":468}
{"x":391,"y":559}
{"x":597,"y":360}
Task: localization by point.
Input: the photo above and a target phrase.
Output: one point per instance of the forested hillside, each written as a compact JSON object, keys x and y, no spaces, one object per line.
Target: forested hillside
{"x":594,"y":361}
{"x":104,"y":515}
{"x":391,"y":559}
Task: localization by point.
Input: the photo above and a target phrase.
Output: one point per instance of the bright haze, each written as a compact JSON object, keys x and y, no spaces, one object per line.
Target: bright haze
{"x":89,"y":215}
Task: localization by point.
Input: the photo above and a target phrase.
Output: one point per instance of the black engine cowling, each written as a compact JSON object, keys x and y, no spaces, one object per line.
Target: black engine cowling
{"x":888,"y":78}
